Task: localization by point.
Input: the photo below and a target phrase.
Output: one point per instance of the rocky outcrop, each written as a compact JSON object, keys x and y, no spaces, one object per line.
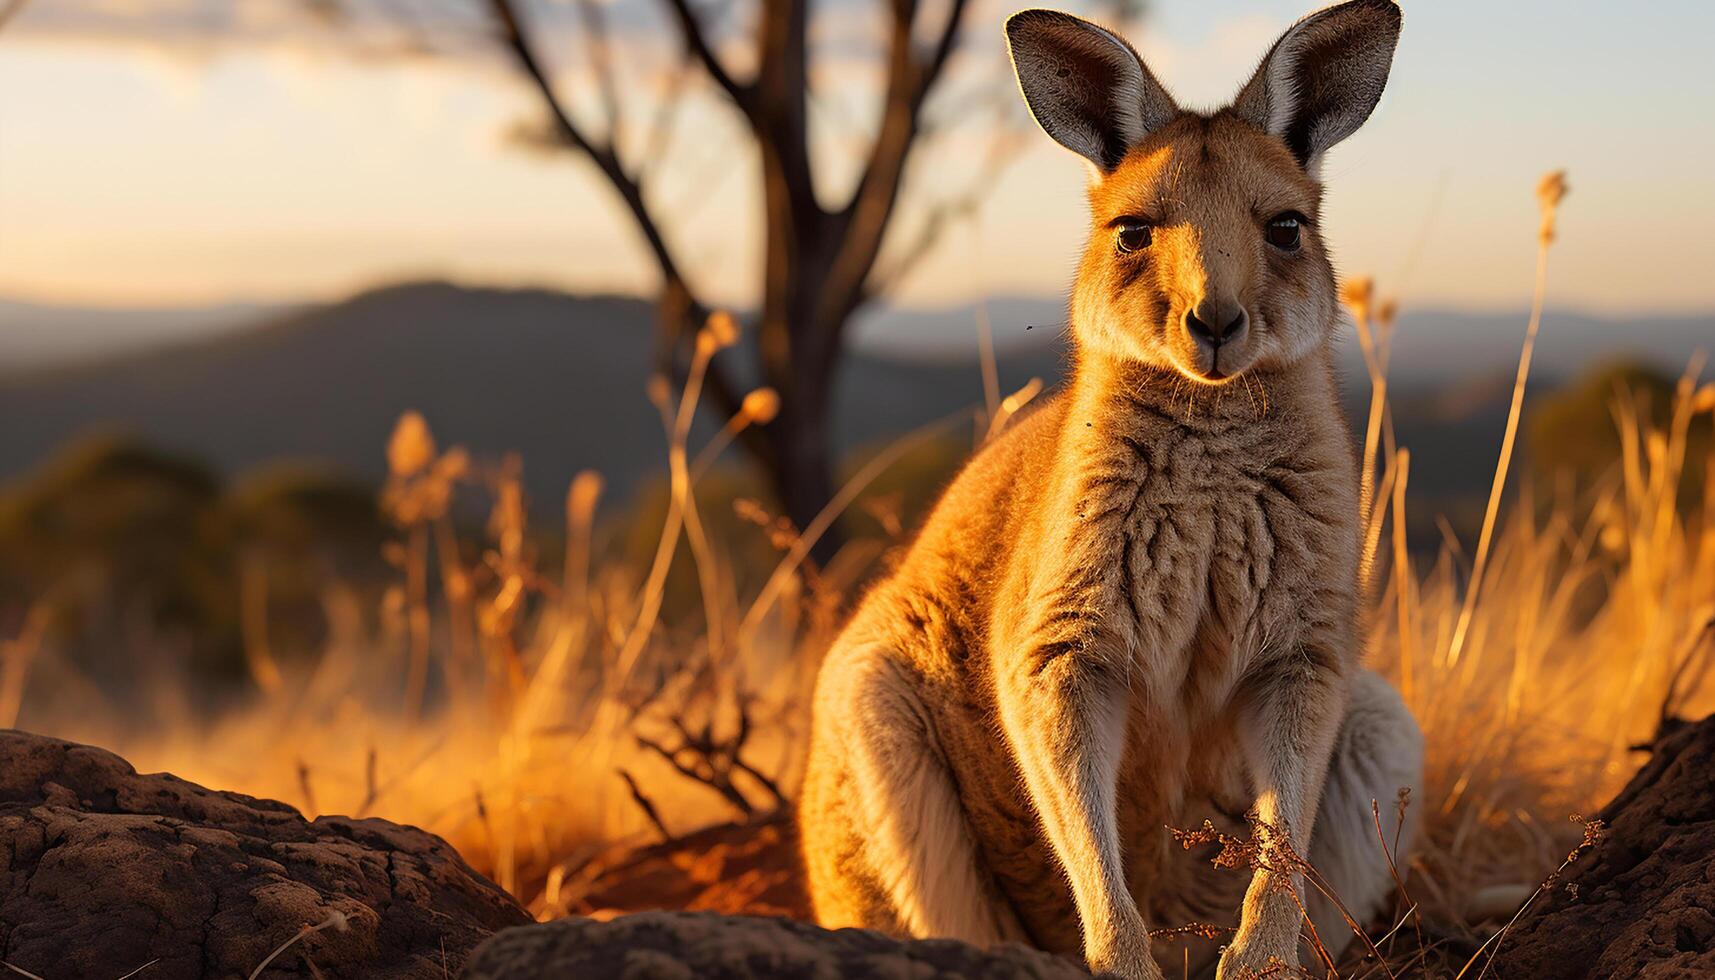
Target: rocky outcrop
{"x":103,"y":870}
{"x":683,"y":945}
{"x":1641,"y":903}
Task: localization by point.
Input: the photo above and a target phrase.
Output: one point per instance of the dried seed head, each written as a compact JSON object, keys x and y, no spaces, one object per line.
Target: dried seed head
{"x":412,"y":447}
{"x":1387,"y":312}
{"x":1613,"y":538}
{"x":1704,"y":400}
{"x":581,"y":498}
{"x":749,"y":510}
{"x":1549,"y":193}
{"x":761,"y":405}
{"x":722,"y":328}
{"x":455,"y":465}
{"x":1357,"y":295}
{"x":658,"y":390}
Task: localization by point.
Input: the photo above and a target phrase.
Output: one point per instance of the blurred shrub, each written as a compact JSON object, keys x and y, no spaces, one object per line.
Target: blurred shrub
{"x":1575,"y":436}
{"x":299,"y":528}
{"x":138,"y":556}
{"x":123,"y":543}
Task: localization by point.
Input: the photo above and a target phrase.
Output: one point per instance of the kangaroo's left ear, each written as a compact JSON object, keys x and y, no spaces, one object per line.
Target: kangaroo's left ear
{"x":1322,"y":79}
{"x":1086,"y":87}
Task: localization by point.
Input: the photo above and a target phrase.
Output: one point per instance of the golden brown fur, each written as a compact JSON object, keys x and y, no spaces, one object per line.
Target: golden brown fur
{"x":1132,"y":610}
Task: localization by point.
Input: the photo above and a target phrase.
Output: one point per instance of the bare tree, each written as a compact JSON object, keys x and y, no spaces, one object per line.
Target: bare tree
{"x":822,"y":244}
{"x":822,"y":241}
{"x":820,"y":262}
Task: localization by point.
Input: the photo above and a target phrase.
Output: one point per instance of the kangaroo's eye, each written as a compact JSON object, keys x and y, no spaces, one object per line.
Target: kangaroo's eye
{"x":1284,"y":231}
{"x":1133,"y":236}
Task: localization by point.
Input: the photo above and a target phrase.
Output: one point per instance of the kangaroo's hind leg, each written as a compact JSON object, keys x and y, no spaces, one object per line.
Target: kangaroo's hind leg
{"x":886,"y":842}
{"x":1378,"y":752}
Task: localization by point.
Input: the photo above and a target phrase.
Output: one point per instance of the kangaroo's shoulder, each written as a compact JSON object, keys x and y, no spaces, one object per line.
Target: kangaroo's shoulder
{"x":971,"y":528}
{"x":1000,"y":477}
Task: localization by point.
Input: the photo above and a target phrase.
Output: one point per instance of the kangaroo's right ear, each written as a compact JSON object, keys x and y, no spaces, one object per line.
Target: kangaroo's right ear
{"x":1086,"y":87}
{"x":1324,"y":76}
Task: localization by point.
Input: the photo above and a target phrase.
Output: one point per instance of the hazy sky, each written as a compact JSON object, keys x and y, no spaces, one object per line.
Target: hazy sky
{"x":141,"y":170}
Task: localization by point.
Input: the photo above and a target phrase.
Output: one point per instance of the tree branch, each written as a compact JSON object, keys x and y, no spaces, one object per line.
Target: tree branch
{"x":660,"y":138}
{"x":681,"y":312}
{"x":868,"y":213}
{"x":1002,"y":151}
{"x":943,"y":51}
{"x":603,"y":156}
{"x":697,"y":44}
{"x":647,"y":806}
{"x":601,"y":62}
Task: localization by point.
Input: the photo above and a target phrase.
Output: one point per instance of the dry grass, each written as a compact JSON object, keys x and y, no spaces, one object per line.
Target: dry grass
{"x":524,"y":716}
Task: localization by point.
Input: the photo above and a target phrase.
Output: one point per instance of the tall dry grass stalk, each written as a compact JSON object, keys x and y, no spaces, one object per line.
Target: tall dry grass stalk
{"x":16,"y":656}
{"x":1549,"y":193}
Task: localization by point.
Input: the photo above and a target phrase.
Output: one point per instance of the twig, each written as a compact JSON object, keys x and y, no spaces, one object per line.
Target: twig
{"x":600,"y":48}
{"x":646,"y":806}
{"x":1412,"y":914}
{"x":370,"y":791}
{"x":336,"y":920}
{"x":697,"y":45}
{"x":1694,"y":644}
{"x":1593,"y":833}
{"x":304,"y":786}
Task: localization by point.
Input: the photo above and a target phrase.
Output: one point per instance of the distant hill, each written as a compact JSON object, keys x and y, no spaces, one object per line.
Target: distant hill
{"x":560,"y":379}
{"x":38,"y":335}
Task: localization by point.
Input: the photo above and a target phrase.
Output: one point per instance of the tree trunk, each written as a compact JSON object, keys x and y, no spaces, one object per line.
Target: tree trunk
{"x":800,"y":240}
{"x":803,"y":463}
{"x":817,"y":262}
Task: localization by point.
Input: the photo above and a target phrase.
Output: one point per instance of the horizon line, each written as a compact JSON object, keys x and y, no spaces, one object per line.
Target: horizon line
{"x":337,"y":297}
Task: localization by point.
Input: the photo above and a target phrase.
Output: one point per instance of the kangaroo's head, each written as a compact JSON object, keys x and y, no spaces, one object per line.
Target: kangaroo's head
{"x":1206,"y":253}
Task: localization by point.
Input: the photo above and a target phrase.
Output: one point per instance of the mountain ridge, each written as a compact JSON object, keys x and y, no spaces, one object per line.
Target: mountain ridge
{"x":560,"y":379}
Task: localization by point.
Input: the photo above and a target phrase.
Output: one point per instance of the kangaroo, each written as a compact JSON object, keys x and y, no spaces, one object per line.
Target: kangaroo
{"x":1136,"y":607}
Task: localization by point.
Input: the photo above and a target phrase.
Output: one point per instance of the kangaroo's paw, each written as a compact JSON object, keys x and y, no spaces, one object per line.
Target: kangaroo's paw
{"x":1267,"y":946}
{"x":1126,"y":959}
{"x":1250,"y":963}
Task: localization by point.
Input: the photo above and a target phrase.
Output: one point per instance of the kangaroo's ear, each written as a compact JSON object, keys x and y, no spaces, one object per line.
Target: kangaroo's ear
{"x":1086,"y":87}
{"x":1323,"y":77}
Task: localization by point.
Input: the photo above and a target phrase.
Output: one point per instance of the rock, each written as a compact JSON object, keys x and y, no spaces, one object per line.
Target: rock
{"x":737,"y":869}
{"x":103,"y":870}
{"x":705,"y":946}
{"x":1641,"y":903}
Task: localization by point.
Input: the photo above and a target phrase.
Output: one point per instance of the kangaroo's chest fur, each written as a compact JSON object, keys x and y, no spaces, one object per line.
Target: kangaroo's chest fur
{"x":1196,"y":539}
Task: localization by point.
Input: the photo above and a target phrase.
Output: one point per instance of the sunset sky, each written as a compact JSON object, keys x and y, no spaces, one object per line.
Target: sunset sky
{"x":190,"y":151}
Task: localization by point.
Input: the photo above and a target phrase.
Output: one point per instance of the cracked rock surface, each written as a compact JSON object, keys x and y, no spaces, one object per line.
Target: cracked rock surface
{"x":706,"y":946}
{"x":1642,"y":902}
{"x":103,"y":870}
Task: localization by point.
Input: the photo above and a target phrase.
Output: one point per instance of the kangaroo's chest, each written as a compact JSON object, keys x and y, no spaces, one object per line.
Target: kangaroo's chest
{"x":1214,"y":543}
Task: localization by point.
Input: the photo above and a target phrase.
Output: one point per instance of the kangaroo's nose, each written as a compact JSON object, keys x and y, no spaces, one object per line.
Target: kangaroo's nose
{"x":1214,"y":322}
